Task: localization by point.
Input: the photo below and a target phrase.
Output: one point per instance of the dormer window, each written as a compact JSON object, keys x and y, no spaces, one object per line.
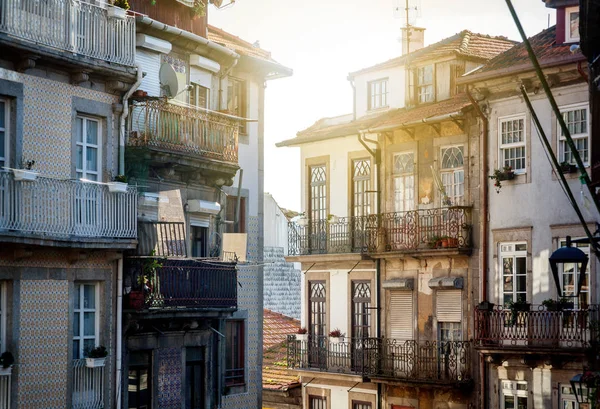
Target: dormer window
{"x":378,"y":93}
{"x":572,"y":25}
{"x":425,"y":84}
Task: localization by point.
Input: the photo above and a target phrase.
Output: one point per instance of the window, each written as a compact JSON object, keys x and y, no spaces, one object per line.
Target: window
{"x":199,"y":241}
{"x":425,"y":84}
{"x":361,"y":186}
{"x":236,"y":100}
{"x":317,"y":313}
{"x":199,"y":96}
{"x":577,"y":122}
{"x":404,"y":182}
{"x":570,"y":277}
{"x":194,"y":377}
{"x":512,"y":143}
{"x":514,"y":395}
{"x":361,"y":405}
{"x":448,"y":308}
{"x":361,"y":309}
{"x":85,"y":319}
{"x":4,"y":133}
{"x":139,"y":383}
{"x":318,"y":193}
{"x":317,"y":402}
{"x":567,"y":397}
{"x":378,"y":94}
{"x":235,"y":353}
{"x":453,"y":175}
{"x":230,"y":215}
{"x":88,"y":149}
{"x":513,"y":263}
{"x":572,"y":24}
{"x":401,"y":315}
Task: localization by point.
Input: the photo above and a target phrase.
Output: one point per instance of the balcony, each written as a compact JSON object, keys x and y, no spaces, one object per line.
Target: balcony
{"x":5,"y":382}
{"x":537,"y":329}
{"x":88,"y":386}
{"x":184,"y":134}
{"x":417,"y":230}
{"x":387,"y":359}
{"x":69,"y":26}
{"x":169,"y":285}
{"x":67,"y":210}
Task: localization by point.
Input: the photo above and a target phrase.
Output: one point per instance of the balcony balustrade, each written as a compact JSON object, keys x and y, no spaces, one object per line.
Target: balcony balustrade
{"x":537,"y":328}
{"x":181,"y":283}
{"x":444,"y":362}
{"x":157,"y":123}
{"x":88,"y":386}
{"x":71,"y":26}
{"x":5,"y":382}
{"x":400,"y":231}
{"x":66,"y":208}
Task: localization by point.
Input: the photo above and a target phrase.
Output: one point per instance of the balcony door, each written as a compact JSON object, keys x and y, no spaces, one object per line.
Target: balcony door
{"x":451,"y":354}
{"x":400,"y":350}
{"x":361,"y":324}
{"x":361,"y":229}
{"x":4,"y":162}
{"x":317,"y":324}
{"x":317,"y":211}
{"x":401,"y":230}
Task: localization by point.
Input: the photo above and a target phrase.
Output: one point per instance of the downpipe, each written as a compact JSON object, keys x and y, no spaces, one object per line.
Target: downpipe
{"x":124,"y":116}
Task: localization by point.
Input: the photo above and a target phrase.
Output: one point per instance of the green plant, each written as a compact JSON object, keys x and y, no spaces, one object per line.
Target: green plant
{"x":27,"y":164}
{"x":506,"y":173}
{"x":337,"y":333}
{"x":120,"y":178}
{"x":98,"y":352}
{"x":6,"y":359}
{"x":550,"y":304}
{"x":124,"y":4}
{"x":301,"y":331}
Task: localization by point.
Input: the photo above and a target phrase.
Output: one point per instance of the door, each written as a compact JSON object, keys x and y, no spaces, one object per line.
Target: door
{"x":317,"y":315}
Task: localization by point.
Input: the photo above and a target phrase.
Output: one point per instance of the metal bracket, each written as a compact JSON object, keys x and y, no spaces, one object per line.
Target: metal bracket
{"x":306,"y":271}
{"x":459,"y":122}
{"x":437,"y":128}
{"x":409,"y":132}
{"x":306,"y":384}
{"x":354,"y":267}
{"x":353,"y":386}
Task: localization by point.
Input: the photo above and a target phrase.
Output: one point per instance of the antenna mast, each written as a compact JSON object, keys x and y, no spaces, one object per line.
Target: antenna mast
{"x":407,"y":30}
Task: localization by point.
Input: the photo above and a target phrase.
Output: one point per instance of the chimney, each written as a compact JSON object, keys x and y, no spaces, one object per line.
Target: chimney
{"x":416,"y":39}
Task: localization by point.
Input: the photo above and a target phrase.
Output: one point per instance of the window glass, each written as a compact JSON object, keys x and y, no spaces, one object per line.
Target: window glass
{"x":577,"y":124}
{"x":425,"y":83}
{"x":318,"y":193}
{"x":361,"y":184}
{"x":512,"y":143}
{"x":570,"y":277}
{"x":235,"y":356}
{"x":572,"y":24}
{"x":513,"y":264}
{"x":453,"y":175}
{"x":378,"y":94}
{"x":85,"y":316}
{"x":3,"y":133}
{"x":404,"y":182}
{"x":88,"y":149}
{"x":236,"y":100}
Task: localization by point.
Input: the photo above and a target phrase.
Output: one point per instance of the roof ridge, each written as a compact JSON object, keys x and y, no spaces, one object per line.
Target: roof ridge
{"x":464,"y":44}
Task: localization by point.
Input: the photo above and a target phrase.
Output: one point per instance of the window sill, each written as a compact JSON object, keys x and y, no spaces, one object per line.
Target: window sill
{"x":385,"y":108}
{"x":234,"y":389}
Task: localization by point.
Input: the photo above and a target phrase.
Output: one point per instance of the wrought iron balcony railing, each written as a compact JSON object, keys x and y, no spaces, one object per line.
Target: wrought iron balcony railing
{"x":500,"y":328}
{"x":184,"y":129}
{"x":401,"y":231}
{"x":71,"y":25}
{"x":176,"y":284}
{"x":5,"y":389}
{"x":88,"y":386}
{"x":428,"y":362}
{"x":65,"y":208}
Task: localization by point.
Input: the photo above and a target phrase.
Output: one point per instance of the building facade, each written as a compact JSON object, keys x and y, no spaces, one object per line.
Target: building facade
{"x":391,"y":201}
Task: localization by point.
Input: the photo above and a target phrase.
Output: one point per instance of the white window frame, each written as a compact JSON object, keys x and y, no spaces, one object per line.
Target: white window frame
{"x":84,"y":145}
{"x":561,"y":138}
{"x":3,"y":305}
{"x":568,"y":397}
{"x":586,"y":249}
{"x":96,"y":310}
{"x":514,"y":253}
{"x":378,"y":93}
{"x":195,"y":88}
{"x":510,"y":388}
{"x":503,"y":146}
{"x":408,"y":195}
{"x":452,"y":172}
{"x":6,"y":130}
{"x":425,"y":97}
{"x":568,"y":12}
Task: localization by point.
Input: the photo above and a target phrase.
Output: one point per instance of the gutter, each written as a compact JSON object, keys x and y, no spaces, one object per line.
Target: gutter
{"x":124,"y":116}
{"x":438,"y":118}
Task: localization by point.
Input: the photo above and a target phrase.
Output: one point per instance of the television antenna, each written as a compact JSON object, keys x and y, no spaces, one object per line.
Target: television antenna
{"x":409,"y":11}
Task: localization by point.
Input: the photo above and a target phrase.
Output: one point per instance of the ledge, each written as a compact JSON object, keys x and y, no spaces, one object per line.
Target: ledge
{"x":173,"y":313}
{"x":69,"y":241}
{"x":420,"y":253}
{"x":316,"y":258}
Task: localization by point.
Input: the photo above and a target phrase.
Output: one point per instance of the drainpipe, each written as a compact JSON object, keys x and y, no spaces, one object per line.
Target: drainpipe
{"x":223,"y":75}
{"x":353,"y":98}
{"x":119,"y":346}
{"x":124,"y":116}
{"x":376,"y":154}
{"x":483,"y":192}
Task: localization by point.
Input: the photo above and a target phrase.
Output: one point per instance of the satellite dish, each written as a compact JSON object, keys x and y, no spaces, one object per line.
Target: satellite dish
{"x":168,"y":79}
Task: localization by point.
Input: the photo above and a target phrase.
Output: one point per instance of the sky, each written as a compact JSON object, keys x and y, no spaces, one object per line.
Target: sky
{"x":324,"y":40}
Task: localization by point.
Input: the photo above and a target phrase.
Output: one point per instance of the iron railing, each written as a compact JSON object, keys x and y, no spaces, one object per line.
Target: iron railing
{"x":61,"y":208}
{"x":161,"y":124}
{"x":434,"y":228}
{"x":5,"y":382}
{"x":162,"y":239}
{"x":537,"y":328}
{"x":428,"y":361}
{"x":88,"y":386}
{"x":72,"y":26}
{"x":183,"y":283}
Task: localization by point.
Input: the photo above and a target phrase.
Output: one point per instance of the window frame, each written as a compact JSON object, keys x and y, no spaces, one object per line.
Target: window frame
{"x":453,"y":172}
{"x":84,"y":144}
{"x":419,"y":85}
{"x":568,"y":12}
{"x":377,"y":98}
{"x":242,"y":86}
{"x":360,"y":309}
{"x":403,"y":175}
{"x":512,"y":145}
{"x":81,"y":337}
{"x":322,"y":399}
{"x":561,"y":138}
{"x":137,"y":368}
{"x":194,"y":92}
{"x":239,"y":350}
{"x":6,"y":129}
{"x":568,"y":397}
{"x":513,"y":391}
{"x":361,"y":182}
{"x":321,"y":212}
{"x":514,"y":253}
{"x":577,"y":300}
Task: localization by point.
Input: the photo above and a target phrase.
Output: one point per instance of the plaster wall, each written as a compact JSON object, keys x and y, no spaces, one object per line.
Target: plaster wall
{"x":396,"y":89}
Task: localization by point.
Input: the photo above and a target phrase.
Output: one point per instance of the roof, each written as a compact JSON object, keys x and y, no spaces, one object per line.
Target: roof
{"x":465,"y":44}
{"x":276,"y":328}
{"x":516,"y":59}
{"x":242,"y":47}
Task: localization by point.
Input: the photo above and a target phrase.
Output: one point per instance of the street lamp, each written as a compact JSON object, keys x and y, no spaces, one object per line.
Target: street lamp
{"x":580,"y":389}
{"x":568,"y":254}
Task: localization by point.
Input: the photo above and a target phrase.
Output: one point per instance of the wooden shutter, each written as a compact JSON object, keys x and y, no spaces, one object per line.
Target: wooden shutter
{"x":401,"y":314}
{"x":448,"y":305}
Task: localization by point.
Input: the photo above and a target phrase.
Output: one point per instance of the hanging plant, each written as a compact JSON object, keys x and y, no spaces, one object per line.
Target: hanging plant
{"x":506,"y":173}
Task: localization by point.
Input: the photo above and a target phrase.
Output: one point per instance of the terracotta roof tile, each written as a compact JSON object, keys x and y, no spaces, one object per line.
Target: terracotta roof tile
{"x":276,"y":328}
{"x":237,"y":44}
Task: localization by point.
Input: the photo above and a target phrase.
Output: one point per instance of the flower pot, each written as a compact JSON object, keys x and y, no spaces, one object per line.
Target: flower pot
{"x":522,"y":307}
{"x":486,"y":306}
{"x":333,"y":219}
{"x":116,"y":13}
{"x":5,"y":371}
{"x":568,"y":168}
{"x":25,"y":175}
{"x":336,"y":340}
{"x":302,"y":337}
{"x":117,"y":187}
{"x":303,"y":222}
{"x":95,"y":362}
{"x":452,"y":242}
{"x":136,"y":299}
{"x":444,"y":243}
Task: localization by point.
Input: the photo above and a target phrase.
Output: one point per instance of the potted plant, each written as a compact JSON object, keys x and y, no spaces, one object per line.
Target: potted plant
{"x":332,"y":218}
{"x":515,"y":308}
{"x":566,"y":167}
{"x":26,"y":174}
{"x":302,"y":334}
{"x":96,"y":357}
{"x":116,"y":12}
{"x":485,"y":306}
{"x":6,"y":361}
{"x":506,"y":173}
{"x":302,"y":220}
{"x":336,"y":336}
{"x":434,"y":241}
{"x":119,"y":184}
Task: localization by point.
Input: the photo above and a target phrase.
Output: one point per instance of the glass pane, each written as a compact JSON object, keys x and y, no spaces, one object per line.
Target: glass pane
{"x":79,"y":157}
{"x":574,"y":25}
{"x":88,"y":345}
{"x":79,"y":129}
{"x":92,"y":132}
{"x":91,"y":159}
{"x":509,"y":402}
{"x":89,"y":296}
{"x":2,"y":114}
{"x":521,"y":247}
{"x":76,"y":318}
{"x":76,"y":349}
{"x":89,"y":323}
{"x":521,"y":402}
{"x":76,"y":293}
